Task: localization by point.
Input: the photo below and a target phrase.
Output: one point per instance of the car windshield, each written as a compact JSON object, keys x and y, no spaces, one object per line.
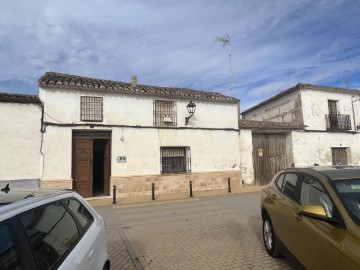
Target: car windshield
{"x":349,"y":192}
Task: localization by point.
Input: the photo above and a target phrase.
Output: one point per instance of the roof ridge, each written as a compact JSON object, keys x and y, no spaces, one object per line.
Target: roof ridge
{"x":66,"y":81}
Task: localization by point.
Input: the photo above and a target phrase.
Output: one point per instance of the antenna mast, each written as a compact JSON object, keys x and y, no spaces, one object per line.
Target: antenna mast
{"x":225,"y":39}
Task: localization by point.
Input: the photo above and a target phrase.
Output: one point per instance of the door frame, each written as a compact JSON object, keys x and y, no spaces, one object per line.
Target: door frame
{"x":93,"y":134}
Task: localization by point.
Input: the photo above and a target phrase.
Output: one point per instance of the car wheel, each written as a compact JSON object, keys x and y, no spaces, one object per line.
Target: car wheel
{"x":271,"y":245}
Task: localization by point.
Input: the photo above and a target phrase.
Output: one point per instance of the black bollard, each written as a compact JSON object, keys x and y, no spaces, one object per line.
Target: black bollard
{"x":114,"y":194}
{"x":153,"y":191}
{"x":229,"y":186}
{"x":191,"y":194}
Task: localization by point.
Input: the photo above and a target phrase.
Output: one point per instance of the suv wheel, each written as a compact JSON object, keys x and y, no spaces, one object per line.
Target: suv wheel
{"x":271,"y":245}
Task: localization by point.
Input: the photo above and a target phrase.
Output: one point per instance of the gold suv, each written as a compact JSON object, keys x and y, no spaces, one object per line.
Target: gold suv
{"x":312,"y":215}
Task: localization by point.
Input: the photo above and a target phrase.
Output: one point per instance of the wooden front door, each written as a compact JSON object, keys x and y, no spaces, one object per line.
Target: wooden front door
{"x":107,"y":158}
{"x":269,"y":156}
{"x":83,"y":171}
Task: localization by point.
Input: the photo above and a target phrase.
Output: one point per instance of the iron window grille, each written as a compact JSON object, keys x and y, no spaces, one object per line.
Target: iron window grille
{"x":175,"y":160}
{"x":338,"y":122}
{"x":164,"y":113}
{"x":91,"y":109}
{"x":339,"y":156}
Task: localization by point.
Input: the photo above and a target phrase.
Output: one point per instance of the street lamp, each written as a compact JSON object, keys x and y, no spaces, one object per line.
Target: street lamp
{"x":191,"y":107}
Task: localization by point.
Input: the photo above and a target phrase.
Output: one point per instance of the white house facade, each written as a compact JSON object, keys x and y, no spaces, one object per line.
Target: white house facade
{"x":102,"y":133}
{"x":330,"y":120}
{"x":20,"y":140}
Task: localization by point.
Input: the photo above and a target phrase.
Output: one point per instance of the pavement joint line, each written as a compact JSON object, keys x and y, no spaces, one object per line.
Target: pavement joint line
{"x":130,"y":249}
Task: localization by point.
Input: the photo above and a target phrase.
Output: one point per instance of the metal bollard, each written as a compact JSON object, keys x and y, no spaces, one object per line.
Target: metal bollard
{"x":229,"y":186}
{"x":114,"y":194}
{"x":191,"y":194}
{"x":153,"y":191}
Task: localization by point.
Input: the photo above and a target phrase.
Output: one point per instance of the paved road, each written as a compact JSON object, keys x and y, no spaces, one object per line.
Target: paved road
{"x":219,"y":232}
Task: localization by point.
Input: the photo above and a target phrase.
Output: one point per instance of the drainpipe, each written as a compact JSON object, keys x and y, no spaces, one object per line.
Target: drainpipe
{"x":353,"y":111}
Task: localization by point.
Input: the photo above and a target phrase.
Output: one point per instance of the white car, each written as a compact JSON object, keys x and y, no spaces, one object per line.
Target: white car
{"x":50,"y":230}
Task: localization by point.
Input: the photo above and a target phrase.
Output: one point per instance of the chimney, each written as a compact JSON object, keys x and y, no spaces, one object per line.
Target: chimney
{"x":133,"y":81}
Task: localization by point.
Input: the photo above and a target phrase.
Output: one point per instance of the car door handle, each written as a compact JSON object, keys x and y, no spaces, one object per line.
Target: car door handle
{"x":91,"y":254}
{"x":273,"y":196}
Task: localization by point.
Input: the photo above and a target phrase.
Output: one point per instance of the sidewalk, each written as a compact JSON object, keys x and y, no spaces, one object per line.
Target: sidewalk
{"x":107,"y":200}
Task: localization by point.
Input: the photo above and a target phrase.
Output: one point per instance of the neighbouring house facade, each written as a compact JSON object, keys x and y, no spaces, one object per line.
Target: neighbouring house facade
{"x":100,"y":133}
{"x":20,"y":140}
{"x":329,"y":118}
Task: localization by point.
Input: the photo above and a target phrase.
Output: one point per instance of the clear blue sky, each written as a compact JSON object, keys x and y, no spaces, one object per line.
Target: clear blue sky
{"x":275,"y":43}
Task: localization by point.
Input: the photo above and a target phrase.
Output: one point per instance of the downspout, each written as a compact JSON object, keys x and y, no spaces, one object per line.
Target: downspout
{"x":353,"y":111}
{"x":42,"y":130}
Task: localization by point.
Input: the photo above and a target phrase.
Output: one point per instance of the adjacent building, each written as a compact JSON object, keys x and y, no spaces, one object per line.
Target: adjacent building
{"x":328,"y":118}
{"x":20,"y":140}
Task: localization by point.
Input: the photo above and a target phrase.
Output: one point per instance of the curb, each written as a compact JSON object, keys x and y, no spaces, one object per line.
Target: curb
{"x":107,"y":200}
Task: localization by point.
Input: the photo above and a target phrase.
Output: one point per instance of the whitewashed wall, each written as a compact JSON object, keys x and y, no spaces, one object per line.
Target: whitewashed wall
{"x":315,"y":147}
{"x":246,"y":158}
{"x":211,"y":150}
{"x":284,"y":109}
{"x":20,"y":142}
{"x":64,"y":106}
{"x":315,"y":107}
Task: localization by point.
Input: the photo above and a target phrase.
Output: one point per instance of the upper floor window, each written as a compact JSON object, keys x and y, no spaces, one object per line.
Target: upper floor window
{"x":332,"y":104}
{"x":335,"y":120}
{"x":175,"y":159}
{"x":91,"y":109}
{"x":164,"y":113}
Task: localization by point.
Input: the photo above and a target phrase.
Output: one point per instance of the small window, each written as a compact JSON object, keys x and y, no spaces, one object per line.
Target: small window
{"x":164,"y":113}
{"x":312,"y":192}
{"x":9,"y":258}
{"x":52,"y":232}
{"x":339,"y":156}
{"x":289,"y":185}
{"x":91,"y":109}
{"x":175,"y":159}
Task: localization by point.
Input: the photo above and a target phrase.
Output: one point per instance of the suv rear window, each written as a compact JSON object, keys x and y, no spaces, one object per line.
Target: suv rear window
{"x":54,"y":229}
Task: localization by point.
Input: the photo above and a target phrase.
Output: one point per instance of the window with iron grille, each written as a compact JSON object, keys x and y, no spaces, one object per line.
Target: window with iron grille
{"x":164,"y":113}
{"x":175,"y":159}
{"x":91,"y":109}
{"x":339,"y":156}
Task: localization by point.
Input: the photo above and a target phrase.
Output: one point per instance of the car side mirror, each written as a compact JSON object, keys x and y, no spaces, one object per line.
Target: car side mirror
{"x":316,"y":211}
{"x":313,"y":210}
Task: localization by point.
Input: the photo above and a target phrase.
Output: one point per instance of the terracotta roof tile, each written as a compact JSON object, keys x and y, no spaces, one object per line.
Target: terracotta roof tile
{"x":269,"y":125}
{"x":19,"y":98}
{"x":303,"y":86}
{"x":66,"y":81}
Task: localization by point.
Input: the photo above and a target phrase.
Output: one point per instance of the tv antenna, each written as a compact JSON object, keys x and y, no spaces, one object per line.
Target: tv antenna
{"x":225,"y":39}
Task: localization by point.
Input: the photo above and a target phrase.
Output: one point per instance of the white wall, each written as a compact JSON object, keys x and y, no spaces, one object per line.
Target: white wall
{"x":284,"y":109}
{"x":246,"y":158}
{"x":119,"y":109}
{"x":315,"y":147}
{"x":20,"y":140}
{"x":57,"y":154}
{"x":211,"y":150}
{"x":315,"y":107}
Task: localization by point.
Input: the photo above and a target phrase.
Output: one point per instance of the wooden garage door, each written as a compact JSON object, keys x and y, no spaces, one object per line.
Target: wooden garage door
{"x":269,"y":156}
